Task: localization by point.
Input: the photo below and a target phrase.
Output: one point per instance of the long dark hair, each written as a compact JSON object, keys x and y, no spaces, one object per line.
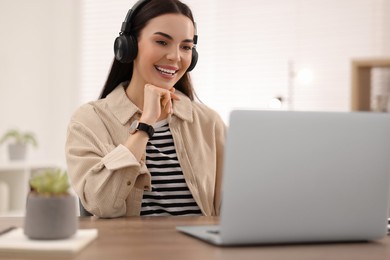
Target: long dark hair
{"x":121,"y":72}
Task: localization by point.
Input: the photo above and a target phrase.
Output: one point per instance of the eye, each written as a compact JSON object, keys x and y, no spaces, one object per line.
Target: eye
{"x":187,"y":48}
{"x":163,"y":43}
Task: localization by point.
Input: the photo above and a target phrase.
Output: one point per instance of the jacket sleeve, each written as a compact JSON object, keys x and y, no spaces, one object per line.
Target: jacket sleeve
{"x":102,"y":174}
{"x":220,"y":137}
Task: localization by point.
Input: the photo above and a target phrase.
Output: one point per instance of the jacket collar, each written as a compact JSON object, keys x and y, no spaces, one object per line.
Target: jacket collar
{"x":123,"y":109}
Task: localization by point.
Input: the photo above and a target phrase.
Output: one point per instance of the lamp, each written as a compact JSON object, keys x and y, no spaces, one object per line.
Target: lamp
{"x":276,"y":103}
{"x":303,"y":76}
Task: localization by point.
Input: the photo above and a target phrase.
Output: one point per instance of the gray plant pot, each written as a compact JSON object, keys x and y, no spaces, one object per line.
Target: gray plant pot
{"x":17,"y":151}
{"x":50,"y":217}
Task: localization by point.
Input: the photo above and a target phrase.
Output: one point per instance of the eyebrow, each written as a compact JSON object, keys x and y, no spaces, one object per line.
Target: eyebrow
{"x":171,"y":38}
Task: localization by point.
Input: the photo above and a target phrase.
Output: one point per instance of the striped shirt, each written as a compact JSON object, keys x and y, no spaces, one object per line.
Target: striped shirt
{"x":170,"y":194}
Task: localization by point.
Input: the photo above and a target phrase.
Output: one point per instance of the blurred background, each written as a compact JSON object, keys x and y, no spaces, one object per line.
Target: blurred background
{"x":262,"y":54}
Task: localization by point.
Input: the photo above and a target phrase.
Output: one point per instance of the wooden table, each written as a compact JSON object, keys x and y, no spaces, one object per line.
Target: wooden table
{"x":156,"y":238}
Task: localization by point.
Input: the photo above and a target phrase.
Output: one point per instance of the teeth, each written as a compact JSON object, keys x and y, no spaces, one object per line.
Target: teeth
{"x":166,"y":70}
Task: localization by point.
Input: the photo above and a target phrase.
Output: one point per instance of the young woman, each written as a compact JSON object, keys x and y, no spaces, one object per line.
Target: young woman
{"x":146,"y":147}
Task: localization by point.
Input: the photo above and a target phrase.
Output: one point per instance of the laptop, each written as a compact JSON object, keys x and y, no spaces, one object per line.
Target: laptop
{"x":303,"y":177}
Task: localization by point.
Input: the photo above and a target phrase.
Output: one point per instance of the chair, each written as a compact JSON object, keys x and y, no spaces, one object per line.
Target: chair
{"x":83,"y":211}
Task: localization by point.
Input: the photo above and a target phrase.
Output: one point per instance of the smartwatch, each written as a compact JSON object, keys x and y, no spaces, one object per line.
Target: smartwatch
{"x":139,"y":126}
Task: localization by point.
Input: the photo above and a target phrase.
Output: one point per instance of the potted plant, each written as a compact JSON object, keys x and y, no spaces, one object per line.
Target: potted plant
{"x":18,"y":142}
{"x":50,"y":208}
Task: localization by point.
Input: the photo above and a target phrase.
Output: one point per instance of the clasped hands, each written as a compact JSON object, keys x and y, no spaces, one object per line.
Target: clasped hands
{"x":157,"y":103}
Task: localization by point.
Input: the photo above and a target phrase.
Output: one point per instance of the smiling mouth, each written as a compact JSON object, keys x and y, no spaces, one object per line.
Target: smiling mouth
{"x":166,"y":71}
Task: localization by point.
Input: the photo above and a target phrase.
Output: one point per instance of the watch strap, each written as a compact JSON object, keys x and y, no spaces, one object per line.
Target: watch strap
{"x":146,"y":128}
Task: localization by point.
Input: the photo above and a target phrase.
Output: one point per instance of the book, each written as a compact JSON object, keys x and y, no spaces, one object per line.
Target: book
{"x":16,"y":242}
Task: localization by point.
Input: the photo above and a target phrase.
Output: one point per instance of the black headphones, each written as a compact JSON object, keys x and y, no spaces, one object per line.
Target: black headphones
{"x":126,"y":45}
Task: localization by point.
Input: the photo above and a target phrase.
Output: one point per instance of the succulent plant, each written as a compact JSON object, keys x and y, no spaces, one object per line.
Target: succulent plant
{"x":52,"y":182}
{"x":19,"y":137}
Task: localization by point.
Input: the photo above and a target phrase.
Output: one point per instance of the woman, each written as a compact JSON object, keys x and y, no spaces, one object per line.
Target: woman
{"x":146,"y":147}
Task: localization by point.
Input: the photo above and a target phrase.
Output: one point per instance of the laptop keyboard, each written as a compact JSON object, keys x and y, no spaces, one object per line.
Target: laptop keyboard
{"x":216,"y":232}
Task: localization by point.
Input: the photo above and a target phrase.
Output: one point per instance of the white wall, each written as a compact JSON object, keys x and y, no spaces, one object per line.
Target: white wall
{"x":38,"y":72}
{"x":39,"y":56}
{"x":386,"y":23}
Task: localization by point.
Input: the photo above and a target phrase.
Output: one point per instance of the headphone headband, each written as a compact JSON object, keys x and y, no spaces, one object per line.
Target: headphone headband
{"x":126,"y":45}
{"x":195,"y":34}
{"x":126,"y":25}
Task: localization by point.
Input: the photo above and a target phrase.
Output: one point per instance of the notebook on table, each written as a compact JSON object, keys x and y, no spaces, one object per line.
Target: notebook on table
{"x":296,"y":177}
{"x":15,"y":242}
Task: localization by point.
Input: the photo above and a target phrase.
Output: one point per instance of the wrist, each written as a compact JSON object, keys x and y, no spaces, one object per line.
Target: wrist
{"x":141,"y":126}
{"x":146,"y":120}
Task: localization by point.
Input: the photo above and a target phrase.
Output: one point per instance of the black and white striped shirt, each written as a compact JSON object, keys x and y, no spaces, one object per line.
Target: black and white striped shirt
{"x":170,"y":194}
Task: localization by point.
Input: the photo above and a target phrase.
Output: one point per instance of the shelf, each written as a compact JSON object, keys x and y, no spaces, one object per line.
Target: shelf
{"x":16,"y":175}
{"x":361,"y":81}
{"x":20,"y":165}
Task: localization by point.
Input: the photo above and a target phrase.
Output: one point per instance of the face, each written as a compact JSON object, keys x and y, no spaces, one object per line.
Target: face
{"x":164,"y":50}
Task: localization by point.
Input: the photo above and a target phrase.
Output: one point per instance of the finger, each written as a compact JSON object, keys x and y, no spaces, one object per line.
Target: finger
{"x":165,"y":103}
{"x":165,"y":99}
{"x":168,"y":107}
{"x":175,"y":97}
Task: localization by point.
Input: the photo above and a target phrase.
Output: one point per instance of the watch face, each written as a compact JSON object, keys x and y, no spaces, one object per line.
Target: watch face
{"x":133,"y":127}
{"x":136,"y":125}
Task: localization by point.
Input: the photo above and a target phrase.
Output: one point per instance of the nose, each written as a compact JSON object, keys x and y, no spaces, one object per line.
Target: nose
{"x":174,"y":54}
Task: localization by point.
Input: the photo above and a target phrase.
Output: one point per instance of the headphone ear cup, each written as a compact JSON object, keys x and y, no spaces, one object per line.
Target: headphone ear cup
{"x":125,"y":48}
{"x":194,"y":59}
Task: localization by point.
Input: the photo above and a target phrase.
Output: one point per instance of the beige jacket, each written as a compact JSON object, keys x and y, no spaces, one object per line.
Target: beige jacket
{"x":110,"y":181}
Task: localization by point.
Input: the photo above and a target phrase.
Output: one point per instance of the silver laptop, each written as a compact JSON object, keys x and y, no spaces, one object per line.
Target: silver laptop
{"x":296,"y":177}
